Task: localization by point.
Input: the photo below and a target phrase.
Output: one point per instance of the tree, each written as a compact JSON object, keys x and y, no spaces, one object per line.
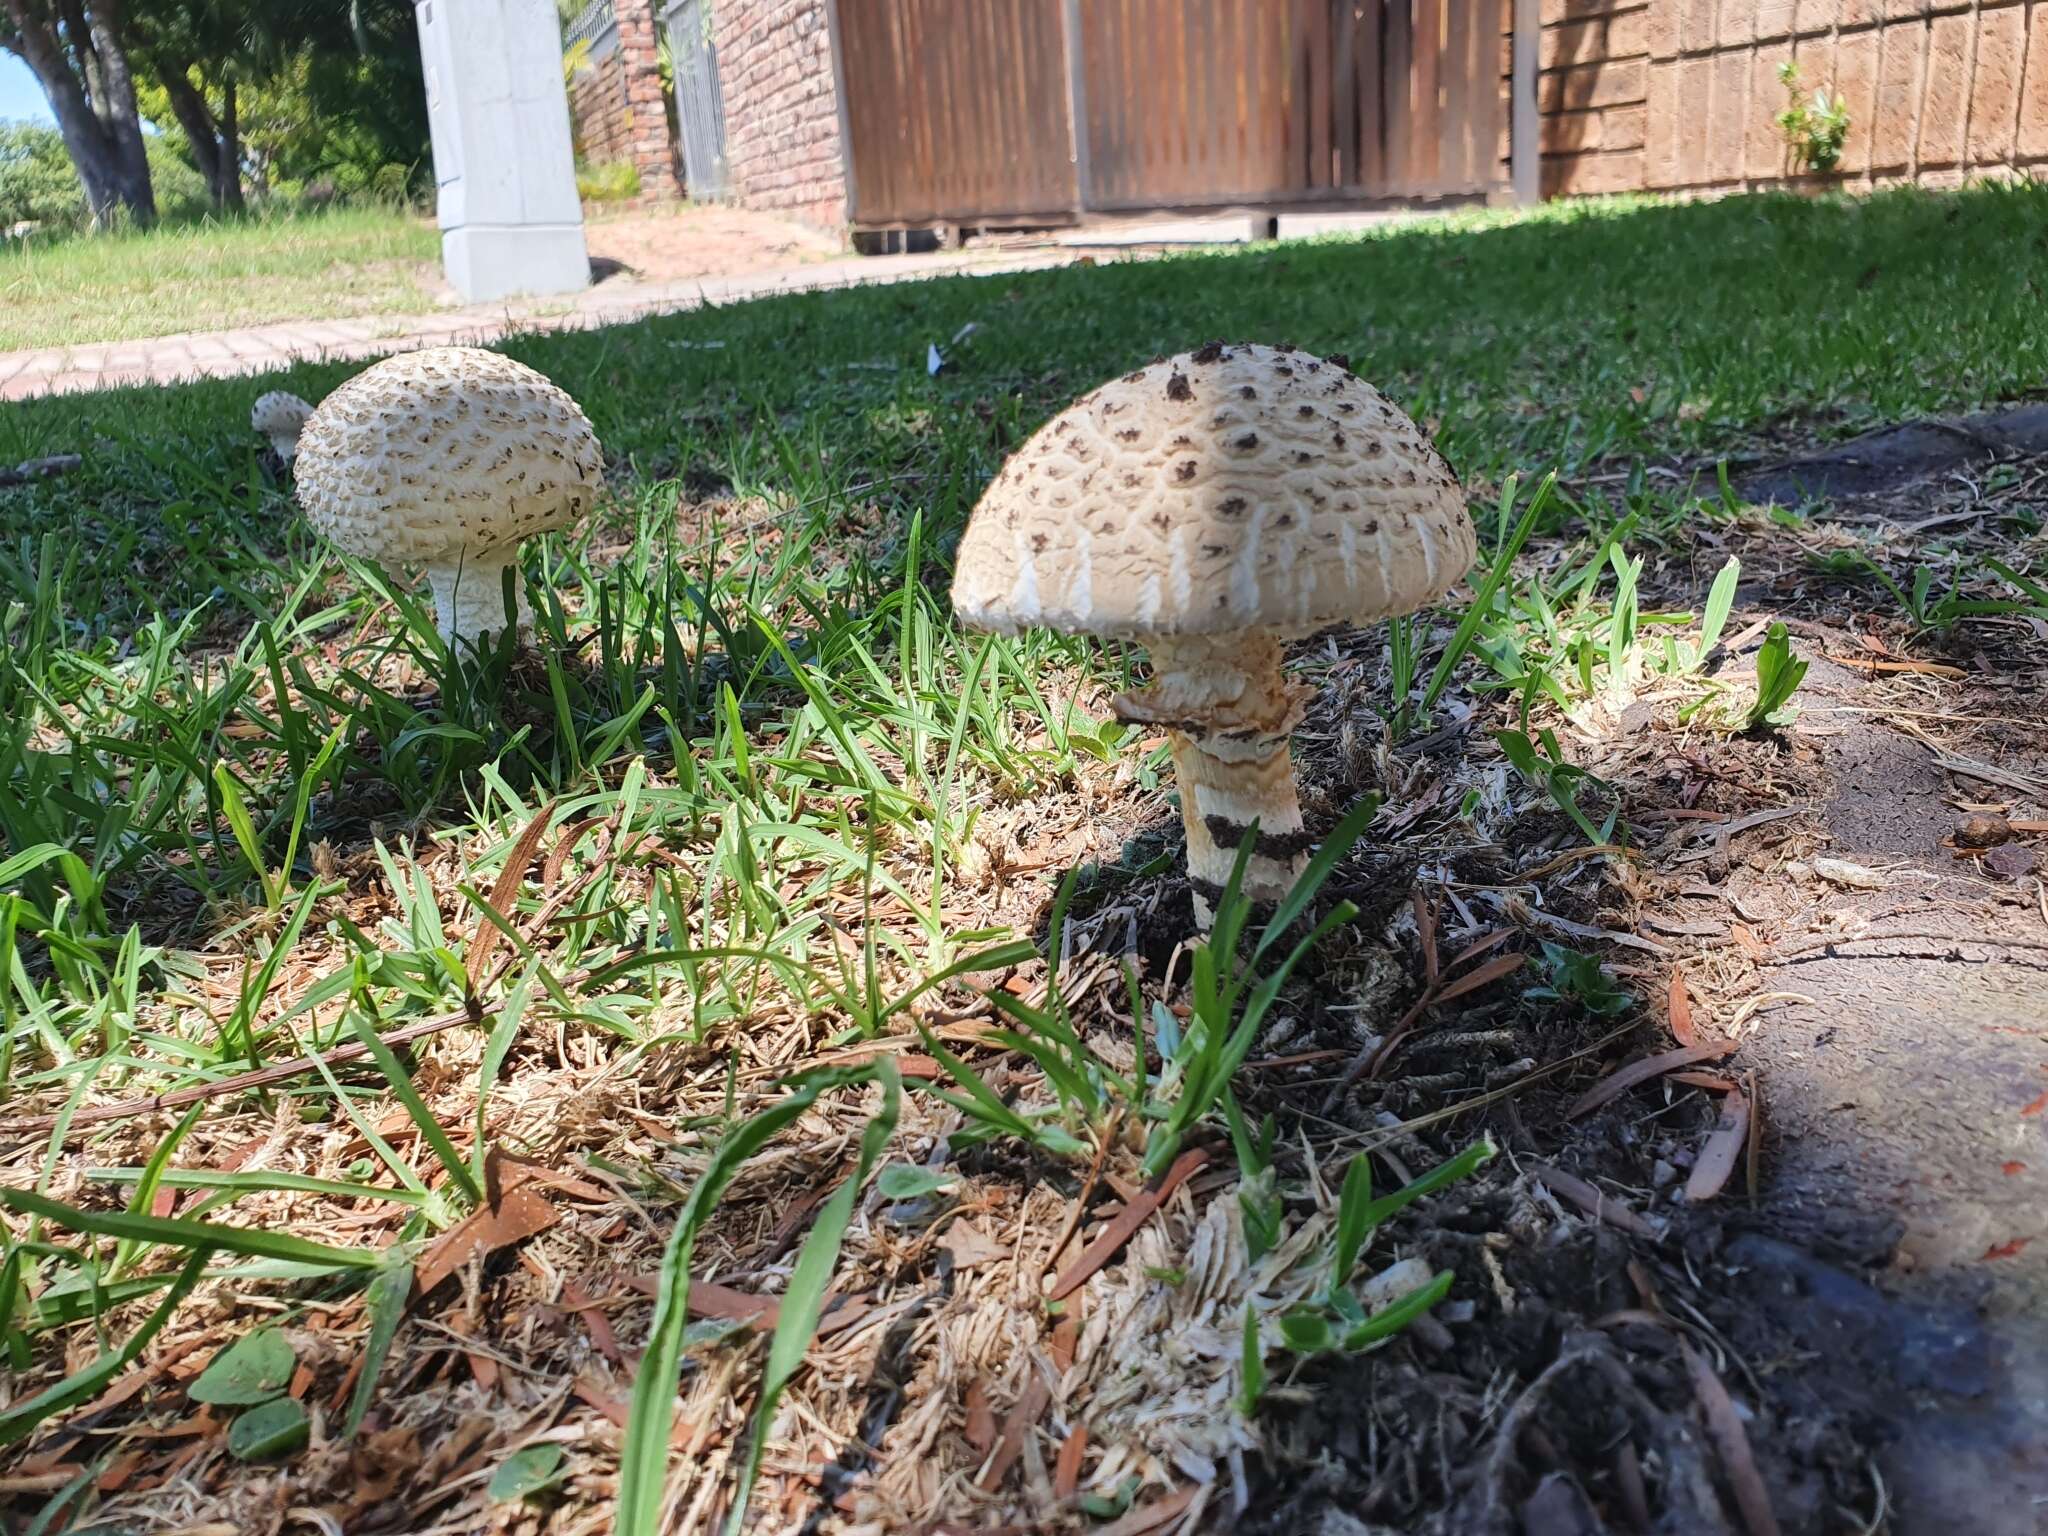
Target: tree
{"x":200,"y":52}
{"x":78,"y":51}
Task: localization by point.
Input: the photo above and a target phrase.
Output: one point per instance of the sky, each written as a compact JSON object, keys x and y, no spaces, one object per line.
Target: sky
{"x":20,"y":95}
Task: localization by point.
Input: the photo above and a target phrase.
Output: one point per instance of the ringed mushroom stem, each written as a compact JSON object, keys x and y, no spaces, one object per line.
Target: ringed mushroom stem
{"x":469,"y":599}
{"x":1228,"y":710}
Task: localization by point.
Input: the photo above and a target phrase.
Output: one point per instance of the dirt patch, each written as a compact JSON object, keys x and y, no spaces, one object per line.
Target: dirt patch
{"x":662,"y":245}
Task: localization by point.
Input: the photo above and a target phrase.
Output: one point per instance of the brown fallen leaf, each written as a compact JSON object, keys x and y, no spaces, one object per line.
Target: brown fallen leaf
{"x":1151,"y":1515}
{"x":2008,"y":862}
{"x":1620,"y":1081}
{"x":709,"y":1299}
{"x":2011,"y":1168}
{"x":1594,"y":1201}
{"x":502,"y":892}
{"x":1712,"y":1082}
{"x":2005,"y":1250}
{"x":1066,"y":1475}
{"x":1680,"y":1009}
{"x":1024,"y":1417}
{"x":382,"y":1464}
{"x":519,"y":1213}
{"x":981,"y":1419}
{"x":1481,"y":976}
{"x":1126,"y":1223}
{"x":595,"y":1322}
{"x":1721,"y":1151}
{"x":1731,"y":1444}
{"x":971,"y":1246}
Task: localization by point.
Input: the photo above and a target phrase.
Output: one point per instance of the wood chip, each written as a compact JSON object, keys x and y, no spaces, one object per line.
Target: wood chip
{"x":1126,"y":1223}
{"x":1616,"y":1083}
{"x":1731,"y":1444}
{"x":1722,"y":1150}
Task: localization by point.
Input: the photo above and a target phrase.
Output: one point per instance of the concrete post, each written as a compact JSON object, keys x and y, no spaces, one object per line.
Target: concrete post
{"x":511,"y":222}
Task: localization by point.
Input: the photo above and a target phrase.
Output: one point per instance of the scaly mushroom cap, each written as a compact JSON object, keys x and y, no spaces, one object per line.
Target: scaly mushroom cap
{"x":445,"y":453}
{"x":278,"y":414}
{"x":1231,"y":489}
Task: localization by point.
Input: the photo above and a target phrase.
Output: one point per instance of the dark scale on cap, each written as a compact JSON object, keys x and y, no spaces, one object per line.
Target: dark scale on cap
{"x":1305,"y":412}
{"x":1337,"y":438}
{"x":1284,"y":520}
{"x":1183,"y":441}
{"x":1178,"y":388}
{"x":1341,"y":360}
{"x":1129,"y":435}
{"x":1247,"y":443}
{"x":1303,"y":456}
{"x":1185,"y":471}
{"x":1249,"y":393}
{"x":1233,"y":506}
{"x":1038,"y":543}
{"x":1212,"y":352}
{"x":1133,"y":378}
{"x":1370,"y":526}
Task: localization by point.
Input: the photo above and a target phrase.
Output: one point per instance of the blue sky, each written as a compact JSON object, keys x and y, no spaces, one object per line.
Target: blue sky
{"x":20,"y":96}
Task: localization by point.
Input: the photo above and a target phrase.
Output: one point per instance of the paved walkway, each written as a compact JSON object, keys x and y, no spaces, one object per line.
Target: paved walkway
{"x":264,"y":348}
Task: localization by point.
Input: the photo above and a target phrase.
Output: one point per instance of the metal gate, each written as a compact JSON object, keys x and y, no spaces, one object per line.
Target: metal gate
{"x":972,"y":111}
{"x":700,"y":104}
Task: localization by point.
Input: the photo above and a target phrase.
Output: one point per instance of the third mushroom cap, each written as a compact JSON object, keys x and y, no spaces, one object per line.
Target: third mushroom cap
{"x":1211,"y":507}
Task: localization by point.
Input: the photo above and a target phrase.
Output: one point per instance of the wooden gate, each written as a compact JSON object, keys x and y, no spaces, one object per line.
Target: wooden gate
{"x":979,"y":111}
{"x":700,"y":103}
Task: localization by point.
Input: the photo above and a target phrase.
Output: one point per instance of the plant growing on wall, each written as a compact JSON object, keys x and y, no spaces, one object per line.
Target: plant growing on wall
{"x":1815,"y":126}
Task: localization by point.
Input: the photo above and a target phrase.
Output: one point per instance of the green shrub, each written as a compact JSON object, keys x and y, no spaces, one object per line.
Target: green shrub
{"x":37,"y":184}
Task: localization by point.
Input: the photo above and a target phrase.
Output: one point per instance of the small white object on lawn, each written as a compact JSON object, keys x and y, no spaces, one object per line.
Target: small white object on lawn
{"x":449,"y":457}
{"x":280,"y":416}
{"x":1211,"y":507}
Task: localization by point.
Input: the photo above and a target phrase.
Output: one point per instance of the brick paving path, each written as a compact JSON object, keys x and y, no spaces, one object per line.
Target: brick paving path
{"x":264,"y":348}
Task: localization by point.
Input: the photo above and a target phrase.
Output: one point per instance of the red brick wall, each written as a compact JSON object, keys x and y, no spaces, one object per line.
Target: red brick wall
{"x":597,"y":108}
{"x":1682,"y":95}
{"x":781,"y":112}
{"x":618,"y":107}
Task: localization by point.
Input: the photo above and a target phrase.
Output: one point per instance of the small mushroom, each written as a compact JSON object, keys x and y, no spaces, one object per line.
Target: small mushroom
{"x":449,"y":457}
{"x":1212,"y":507}
{"x":280,"y":416}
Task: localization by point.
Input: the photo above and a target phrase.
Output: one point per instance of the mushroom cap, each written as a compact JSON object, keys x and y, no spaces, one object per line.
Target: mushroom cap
{"x":278,"y":411}
{"x":1231,"y":489}
{"x":445,"y":453}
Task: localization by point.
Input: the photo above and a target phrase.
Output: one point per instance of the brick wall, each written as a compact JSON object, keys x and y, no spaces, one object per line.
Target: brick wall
{"x":618,"y":108}
{"x":781,"y":113}
{"x":1682,"y":95}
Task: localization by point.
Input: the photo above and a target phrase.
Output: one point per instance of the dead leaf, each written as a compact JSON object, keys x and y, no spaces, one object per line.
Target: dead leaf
{"x":981,"y":1419}
{"x":970,"y":1246}
{"x":1679,"y":1009}
{"x":2005,"y":1250}
{"x":2009,"y":862}
{"x":1731,"y":1444}
{"x":594,"y":1321}
{"x":1485,"y":975}
{"x":1594,"y":1201}
{"x":520,"y":1212}
{"x":709,"y":1299}
{"x":1722,"y":1150}
{"x":1619,"y":1082}
{"x":1126,"y":1223}
{"x":382,"y":1464}
{"x":504,"y":890}
{"x":1066,"y":1475}
{"x":1151,"y":1515}
{"x":2035,"y":1107}
{"x":1023,"y":1419}
{"x":2011,"y":1168}
{"x":1850,"y":877}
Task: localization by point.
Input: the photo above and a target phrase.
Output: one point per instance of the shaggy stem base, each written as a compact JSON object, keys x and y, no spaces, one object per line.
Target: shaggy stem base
{"x":1228,"y":710}
{"x":469,"y":600}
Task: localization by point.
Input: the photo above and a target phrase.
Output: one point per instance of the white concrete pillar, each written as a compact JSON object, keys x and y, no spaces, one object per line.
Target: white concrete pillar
{"x":505,"y":175}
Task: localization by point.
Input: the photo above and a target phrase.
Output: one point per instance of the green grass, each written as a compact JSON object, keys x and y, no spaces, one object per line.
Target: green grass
{"x":214,"y":276}
{"x":250,"y":806}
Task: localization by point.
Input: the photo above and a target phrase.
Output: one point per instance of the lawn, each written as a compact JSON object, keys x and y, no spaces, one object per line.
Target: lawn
{"x":208,"y":276}
{"x":756,"y":808}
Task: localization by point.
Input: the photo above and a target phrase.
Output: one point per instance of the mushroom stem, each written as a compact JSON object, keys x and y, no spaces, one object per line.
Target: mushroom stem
{"x":1228,"y":709}
{"x":469,"y":599}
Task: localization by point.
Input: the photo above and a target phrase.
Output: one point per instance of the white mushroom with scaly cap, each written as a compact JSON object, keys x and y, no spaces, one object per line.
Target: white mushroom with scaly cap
{"x":1211,"y":507}
{"x":280,"y":416}
{"x":449,"y":457}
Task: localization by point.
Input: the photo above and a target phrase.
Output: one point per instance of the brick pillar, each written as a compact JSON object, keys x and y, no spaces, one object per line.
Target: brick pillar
{"x":647,"y":137}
